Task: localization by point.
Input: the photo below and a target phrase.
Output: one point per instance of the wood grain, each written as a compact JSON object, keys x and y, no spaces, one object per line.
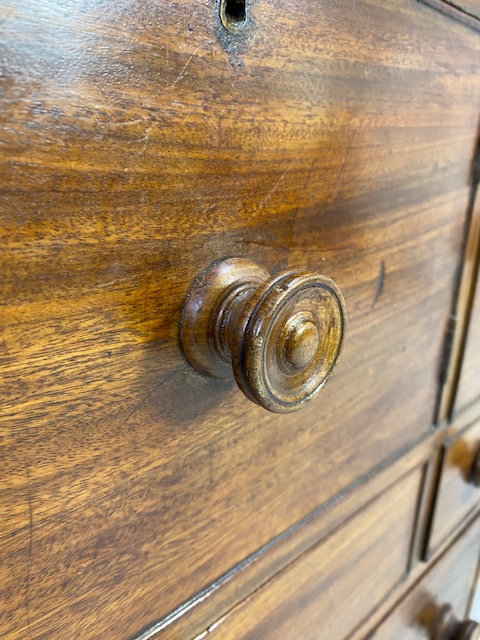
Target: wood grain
{"x":139,"y":143}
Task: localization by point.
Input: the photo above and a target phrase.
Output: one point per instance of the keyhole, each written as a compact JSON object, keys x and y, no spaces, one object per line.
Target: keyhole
{"x":233,"y":13}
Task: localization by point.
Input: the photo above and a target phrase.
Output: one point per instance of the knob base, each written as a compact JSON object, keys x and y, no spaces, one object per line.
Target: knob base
{"x":207,"y":311}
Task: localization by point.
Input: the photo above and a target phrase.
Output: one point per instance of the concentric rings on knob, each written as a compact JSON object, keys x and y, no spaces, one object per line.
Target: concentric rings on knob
{"x":290,"y":334}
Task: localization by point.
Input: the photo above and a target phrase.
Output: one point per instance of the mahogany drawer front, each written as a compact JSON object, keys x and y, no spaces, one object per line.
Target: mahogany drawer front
{"x":329,"y":591}
{"x":449,"y":582}
{"x":457,"y":493}
{"x":327,"y":136}
{"x":469,"y":383}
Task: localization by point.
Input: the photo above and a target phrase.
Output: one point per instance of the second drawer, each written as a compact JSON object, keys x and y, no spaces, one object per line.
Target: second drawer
{"x":357,"y":566}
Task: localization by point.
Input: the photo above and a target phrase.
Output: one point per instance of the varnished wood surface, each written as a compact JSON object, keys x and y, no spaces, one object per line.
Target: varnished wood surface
{"x":449,"y":582}
{"x":328,"y":592}
{"x":456,"y":497}
{"x":139,"y":143}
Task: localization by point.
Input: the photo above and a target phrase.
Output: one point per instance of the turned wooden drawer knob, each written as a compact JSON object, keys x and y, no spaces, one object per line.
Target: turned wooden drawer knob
{"x":447,"y":627}
{"x":280,"y":334}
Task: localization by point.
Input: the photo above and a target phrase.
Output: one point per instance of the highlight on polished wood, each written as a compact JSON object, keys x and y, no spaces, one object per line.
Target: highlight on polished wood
{"x":281,"y":334}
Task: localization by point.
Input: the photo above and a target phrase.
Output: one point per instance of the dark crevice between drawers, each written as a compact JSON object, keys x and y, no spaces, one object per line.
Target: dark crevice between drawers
{"x":454,"y":12}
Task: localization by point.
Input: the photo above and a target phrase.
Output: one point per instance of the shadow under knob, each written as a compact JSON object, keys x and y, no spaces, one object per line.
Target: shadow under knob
{"x":280,"y":334}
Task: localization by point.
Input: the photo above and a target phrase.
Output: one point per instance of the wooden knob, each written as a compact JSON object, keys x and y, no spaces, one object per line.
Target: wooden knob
{"x":280,"y":334}
{"x":447,"y":627}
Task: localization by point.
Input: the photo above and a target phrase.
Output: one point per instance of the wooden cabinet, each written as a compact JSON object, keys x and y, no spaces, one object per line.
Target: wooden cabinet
{"x":140,"y":143}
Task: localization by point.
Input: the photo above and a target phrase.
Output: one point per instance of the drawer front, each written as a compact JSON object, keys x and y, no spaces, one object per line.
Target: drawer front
{"x":328,"y":592}
{"x":450,"y":582}
{"x":142,"y":143}
{"x":469,"y":383}
{"x":458,"y":493}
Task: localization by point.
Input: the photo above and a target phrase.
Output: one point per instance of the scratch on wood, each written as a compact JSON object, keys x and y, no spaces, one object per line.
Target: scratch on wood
{"x":380,"y":281}
{"x":4,"y":345}
{"x":127,"y":123}
{"x":180,"y":75}
{"x":30,"y":556}
{"x":264,"y":243}
{"x":142,"y":401}
{"x":254,"y":37}
{"x":145,"y":139}
{"x":334,"y":184}
{"x":277,"y":183}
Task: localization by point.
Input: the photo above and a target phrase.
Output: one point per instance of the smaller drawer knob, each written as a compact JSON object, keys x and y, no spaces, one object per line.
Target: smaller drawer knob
{"x":281,"y":335}
{"x":447,"y":627}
